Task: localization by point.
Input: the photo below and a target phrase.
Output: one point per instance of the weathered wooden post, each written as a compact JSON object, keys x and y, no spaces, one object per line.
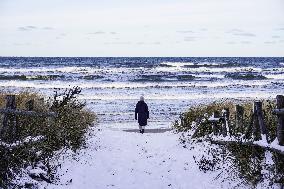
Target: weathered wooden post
{"x":214,"y":120}
{"x":225,"y":120}
{"x":227,"y":115}
{"x":239,"y":118}
{"x":9,"y":126}
{"x":280,"y":118}
{"x":255,"y":123}
{"x":259,"y":115}
{"x":215,"y":125}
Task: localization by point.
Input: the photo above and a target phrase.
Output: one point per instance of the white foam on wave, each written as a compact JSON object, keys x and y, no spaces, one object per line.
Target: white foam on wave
{"x":75,"y":70}
{"x":41,"y":69}
{"x":274,"y":70}
{"x":209,"y":70}
{"x":128,"y":73}
{"x":274,"y":76}
{"x":177,"y":64}
{"x":125,"y":85}
{"x":184,"y":96}
{"x":182,"y":64}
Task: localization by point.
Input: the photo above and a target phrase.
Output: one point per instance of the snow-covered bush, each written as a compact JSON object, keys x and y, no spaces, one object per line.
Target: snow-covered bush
{"x":236,"y":159}
{"x":68,"y":130}
{"x":198,"y":117}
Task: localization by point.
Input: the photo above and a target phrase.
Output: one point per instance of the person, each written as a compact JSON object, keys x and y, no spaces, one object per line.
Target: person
{"x":142,"y":112}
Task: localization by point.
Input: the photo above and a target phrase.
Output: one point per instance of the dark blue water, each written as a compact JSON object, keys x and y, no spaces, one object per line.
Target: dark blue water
{"x":263,"y":62}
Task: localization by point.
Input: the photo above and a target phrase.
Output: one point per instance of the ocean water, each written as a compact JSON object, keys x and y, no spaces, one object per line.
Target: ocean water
{"x":112,"y":86}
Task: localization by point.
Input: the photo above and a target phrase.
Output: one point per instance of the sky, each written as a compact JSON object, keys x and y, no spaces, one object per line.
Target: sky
{"x":142,"y":28}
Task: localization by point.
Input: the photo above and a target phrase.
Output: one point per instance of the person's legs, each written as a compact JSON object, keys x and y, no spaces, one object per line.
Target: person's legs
{"x":143,"y":129}
{"x":140,"y":129}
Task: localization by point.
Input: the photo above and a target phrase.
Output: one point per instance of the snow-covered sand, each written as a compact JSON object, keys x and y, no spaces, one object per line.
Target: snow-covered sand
{"x":118,"y":159}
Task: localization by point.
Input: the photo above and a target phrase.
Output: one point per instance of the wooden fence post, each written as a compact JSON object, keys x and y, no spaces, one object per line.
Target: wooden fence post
{"x":9,"y":126}
{"x":259,"y":115}
{"x":225,"y":120}
{"x":255,"y":123}
{"x":280,"y":118}
{"x":239,"y":118}
{"x":214,"y":124}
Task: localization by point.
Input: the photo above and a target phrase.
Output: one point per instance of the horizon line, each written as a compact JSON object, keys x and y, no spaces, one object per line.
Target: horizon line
{"x":141,"y":56}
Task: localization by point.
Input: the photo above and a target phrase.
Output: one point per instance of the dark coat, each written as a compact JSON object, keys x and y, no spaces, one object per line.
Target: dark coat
{"x":143,"y":113}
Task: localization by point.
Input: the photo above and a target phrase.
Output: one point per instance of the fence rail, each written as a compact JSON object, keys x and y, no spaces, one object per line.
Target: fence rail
{"x":28,"y":113}
{"x":10,"y":123}
{"x":257,"y":127}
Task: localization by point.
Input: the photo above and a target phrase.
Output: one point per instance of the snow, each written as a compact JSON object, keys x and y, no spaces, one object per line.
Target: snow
{"x":36,"y":171}
{"x":212,"y":118}
{"x":118,"y":159}
{"x":275,"y":145}
{"x":262,"y":141}
{"x":20,"y":143}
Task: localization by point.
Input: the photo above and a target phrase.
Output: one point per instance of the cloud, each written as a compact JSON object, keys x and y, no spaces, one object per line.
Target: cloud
{"x":185,"y":31}
{"x":231,"y":42}
{"x":239,"y":32}
{"x":27,"y":28}
{"x":22,"y":28}
{"x":61,"y":36}
{"x":203,"y":29}
{"x":245,"y":42}
{"x":21,"y":44}
{"x":97,"y":33}
{"x":235,"y":30}
{"x":47,"y":28}
{"x":269,"y":42}
{"x":149,"y":43}
{"x":30,"y":28}
{"x":245,"y":34}
{"x":191,"y":38}
{"x":118,"y":43}
{"x":102,"y":32}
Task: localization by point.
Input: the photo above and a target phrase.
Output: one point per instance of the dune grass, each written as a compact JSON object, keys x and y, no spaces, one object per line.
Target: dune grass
{"x":68,"y":130}
{"x":244,"y":164}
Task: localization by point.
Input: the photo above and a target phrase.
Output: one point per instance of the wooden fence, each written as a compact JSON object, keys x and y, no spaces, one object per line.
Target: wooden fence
{"x":10,"y":125}
{"x":259,"y":129}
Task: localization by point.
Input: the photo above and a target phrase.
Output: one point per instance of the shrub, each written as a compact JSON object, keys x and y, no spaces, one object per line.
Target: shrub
{"x":242,"y":161}
{"x":67,"y":130}
{"x":197,"y":117}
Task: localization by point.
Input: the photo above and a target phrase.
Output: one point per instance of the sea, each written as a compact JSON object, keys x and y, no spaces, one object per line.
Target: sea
{"x":111,"y":86}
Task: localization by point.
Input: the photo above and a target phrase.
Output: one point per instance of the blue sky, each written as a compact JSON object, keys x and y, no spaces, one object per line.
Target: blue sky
{"x":142,"y":28}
